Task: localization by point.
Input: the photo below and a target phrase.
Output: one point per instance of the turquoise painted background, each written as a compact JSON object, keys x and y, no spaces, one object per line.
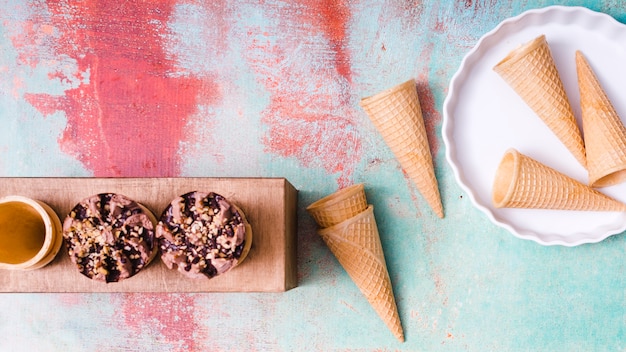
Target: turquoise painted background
{"x":271,"y":88}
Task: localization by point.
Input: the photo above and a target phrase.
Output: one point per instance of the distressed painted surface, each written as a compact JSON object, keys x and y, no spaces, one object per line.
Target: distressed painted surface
{"x":271,"y":88}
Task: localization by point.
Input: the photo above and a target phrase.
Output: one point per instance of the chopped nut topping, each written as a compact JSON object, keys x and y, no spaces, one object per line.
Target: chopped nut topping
{"x":109,"y":237}
{"x":197,"y":228}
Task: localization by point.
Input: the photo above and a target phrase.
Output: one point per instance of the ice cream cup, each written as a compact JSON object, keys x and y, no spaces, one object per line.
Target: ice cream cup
{"x":30,"y":233}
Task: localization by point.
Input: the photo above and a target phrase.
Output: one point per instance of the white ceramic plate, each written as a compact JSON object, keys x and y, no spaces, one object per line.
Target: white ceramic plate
{"x":483,"y":117}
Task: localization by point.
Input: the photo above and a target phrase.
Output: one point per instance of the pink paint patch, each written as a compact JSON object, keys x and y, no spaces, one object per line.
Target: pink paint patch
{"x":46,"y":104}
{"x":172,"y":315}
{"x":129,"y":118}
{"x":331,"y":17}
{"x":310,"y":116}
{"x":28,"y":42}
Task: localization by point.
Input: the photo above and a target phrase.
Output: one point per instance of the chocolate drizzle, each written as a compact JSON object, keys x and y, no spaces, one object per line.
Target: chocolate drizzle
{"x":201,"y":234}
{"x":109,"y":237}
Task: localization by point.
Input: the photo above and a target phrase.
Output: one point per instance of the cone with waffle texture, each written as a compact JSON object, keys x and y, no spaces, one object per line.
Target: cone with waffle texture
{"x":397,"y":115}
{"x":531,"y":72}
{"x":605,"y":134}
{"x":356,"y":244}
{"x":339,"y":206}
{"x":522,"y":182}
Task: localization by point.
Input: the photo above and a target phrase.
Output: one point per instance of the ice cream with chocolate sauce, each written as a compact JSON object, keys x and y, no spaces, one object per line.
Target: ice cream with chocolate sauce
{"x":110,"y":237}
{"x":203,"y":235}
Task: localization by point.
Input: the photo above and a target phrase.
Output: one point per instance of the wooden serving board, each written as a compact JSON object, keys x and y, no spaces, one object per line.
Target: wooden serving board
{"x":269,"y":204}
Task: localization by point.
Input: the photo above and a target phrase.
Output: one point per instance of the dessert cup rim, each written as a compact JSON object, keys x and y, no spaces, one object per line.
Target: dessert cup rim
{"x":49,"y":237}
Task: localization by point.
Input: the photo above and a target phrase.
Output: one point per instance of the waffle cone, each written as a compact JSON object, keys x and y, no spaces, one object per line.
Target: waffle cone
{"x":356,"y":244}
{"x":531,"y":72}
{"x":522,"y":182}
{"x":605,"y":134}
{"x":397,"y":115}
{"x":339,"y":206}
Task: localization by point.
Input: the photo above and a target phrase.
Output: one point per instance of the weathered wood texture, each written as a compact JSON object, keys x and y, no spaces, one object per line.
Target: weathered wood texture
{"x":269,"y":205}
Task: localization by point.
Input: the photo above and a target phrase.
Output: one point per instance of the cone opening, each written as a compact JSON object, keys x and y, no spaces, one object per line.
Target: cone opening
{"x":339,"y":196}
{"x":613,"y":178}
{"x":521,"y":51}
{"x":338,"y":227}
{"x":383,"y":94}
{"x":506,"y":178}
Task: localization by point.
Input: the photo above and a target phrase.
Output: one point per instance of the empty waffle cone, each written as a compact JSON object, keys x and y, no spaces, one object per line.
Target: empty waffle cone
{"x":605,"y":134}
{"x":531,"y":72}
{"x":356,"y":244}
{"x":397,"y":115}
{"x":522,"y":182}
{"x":339,"y":206}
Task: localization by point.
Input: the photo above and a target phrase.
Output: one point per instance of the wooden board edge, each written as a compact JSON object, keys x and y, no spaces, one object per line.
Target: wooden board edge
{"x":291,"y":243}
